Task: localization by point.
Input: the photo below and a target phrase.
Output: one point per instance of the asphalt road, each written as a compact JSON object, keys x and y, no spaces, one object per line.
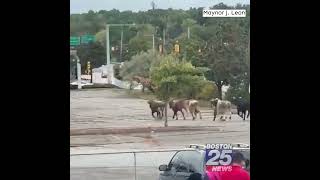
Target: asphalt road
{"x":113,"y":108}
{"x":120,"y":166}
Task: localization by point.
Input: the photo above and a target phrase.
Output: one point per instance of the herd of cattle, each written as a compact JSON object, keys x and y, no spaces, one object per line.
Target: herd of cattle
{"x":220,"y":108}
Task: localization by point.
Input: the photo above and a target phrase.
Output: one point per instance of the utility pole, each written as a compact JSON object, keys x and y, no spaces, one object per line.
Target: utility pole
{"x":78,"y":72}
{"x":185,"y":50}
{"x":108,"y":39}
{"x":153,"y":42}
{"x":74,"y":53}
{"x":121,"y":45}
{"x":108,"y":44}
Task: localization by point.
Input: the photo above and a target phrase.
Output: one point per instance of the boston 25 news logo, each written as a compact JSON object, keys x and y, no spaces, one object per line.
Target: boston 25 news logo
{"x":218,"y":157}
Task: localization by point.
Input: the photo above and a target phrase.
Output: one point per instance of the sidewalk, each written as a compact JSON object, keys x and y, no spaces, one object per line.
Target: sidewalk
{"x":146,"y":126}
{"x":127,"y":130}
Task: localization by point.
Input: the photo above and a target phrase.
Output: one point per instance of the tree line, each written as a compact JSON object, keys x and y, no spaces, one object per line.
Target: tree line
{"x":217,"y":47}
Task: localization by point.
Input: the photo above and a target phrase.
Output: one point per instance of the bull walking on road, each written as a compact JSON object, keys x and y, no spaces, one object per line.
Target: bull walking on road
{"x":157,"y":107}
{"x":243,"y":107}
{"x":194,"y":108}
{"x":179,"y":105}
{"x":221,"y":107}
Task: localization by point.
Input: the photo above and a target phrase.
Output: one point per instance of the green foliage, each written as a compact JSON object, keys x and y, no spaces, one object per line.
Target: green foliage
{"x":205,"y":32}
{"x":224,"y":45}
{"x":239,"y":89}
{"x":101,"y":37}
{"x":93,"y":52}
{"x":116,"y":69}
{"x":208,"y":91}
{"x":226,"y":51}
{"x":140,"y":65}
{"x":138,"y":45}
{"x":142,"y":41}
{"x":175,"y":78}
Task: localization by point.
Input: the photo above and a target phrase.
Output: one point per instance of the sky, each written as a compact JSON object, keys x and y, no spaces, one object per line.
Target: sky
{"x":83,"y":6}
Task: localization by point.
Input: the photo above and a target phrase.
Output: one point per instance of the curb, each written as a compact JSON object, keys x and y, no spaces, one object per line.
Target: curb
{"x":105,"y":131}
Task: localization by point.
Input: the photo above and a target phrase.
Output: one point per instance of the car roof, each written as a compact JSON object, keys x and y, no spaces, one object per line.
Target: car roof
{"x":236,"y":146}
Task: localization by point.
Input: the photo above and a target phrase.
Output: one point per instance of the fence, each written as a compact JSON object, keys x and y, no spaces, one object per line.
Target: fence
{"x":137,"y":165}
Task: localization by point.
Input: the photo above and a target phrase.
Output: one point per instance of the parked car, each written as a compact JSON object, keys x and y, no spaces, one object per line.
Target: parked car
{"x":191,"y":161}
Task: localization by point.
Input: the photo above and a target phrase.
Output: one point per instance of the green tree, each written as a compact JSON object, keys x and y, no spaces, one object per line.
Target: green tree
{"x":224,"y":42}
{"x":239,"y":90}
{"x":140,"y":65}
{"x":93,"y":52}
{"x":142,"y":42}
{"x":175,"y":78}
{"x":226,"y":53}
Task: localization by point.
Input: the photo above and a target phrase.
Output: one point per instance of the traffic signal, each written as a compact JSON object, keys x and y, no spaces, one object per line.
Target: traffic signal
{"x":88,"y":68}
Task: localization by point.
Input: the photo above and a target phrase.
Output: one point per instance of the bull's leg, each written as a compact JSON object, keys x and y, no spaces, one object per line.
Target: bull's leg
{"x":184,"y":118}
{"x":243,"y":115}
{"x":142,"y":88}
{"x":215,"y":112}
{"x":198,"y":111}
{"x":192,"y":115}
{"x":248,"y":114}
{"x":152,"y":114}
{"x":174,"y":114}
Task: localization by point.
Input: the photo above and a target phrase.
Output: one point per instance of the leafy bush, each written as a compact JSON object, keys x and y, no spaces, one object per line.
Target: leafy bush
{"x":208,"y":91}
{"x":238,"y":92}
{"x":175,"y":78}
{"x":140,"y":65}
{"x":116,"y":69}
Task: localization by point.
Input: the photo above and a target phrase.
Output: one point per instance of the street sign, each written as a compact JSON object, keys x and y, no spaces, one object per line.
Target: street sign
{"x":74,"y":41}
{"x":85,"y":39}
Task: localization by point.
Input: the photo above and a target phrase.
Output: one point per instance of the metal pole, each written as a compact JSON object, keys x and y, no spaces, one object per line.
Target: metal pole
{"x":78,"y":72}
{"x":135,"y":166}
{"x":108,"y":44}
{"x":121,"y":45}
{"x":153,"y":42}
